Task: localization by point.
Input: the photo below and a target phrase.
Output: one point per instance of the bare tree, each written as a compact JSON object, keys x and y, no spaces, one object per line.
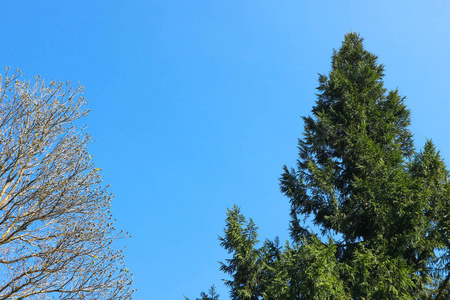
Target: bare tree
{"x":55,"y":224}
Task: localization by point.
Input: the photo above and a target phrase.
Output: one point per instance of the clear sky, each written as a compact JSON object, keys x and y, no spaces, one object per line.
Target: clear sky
{"x":196,"y":105}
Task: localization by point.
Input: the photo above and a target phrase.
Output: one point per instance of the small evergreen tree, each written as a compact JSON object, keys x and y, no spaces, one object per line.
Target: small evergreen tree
{"x":360,"y":180}
{"x":240,"y":240}
{"x":212,"y":295}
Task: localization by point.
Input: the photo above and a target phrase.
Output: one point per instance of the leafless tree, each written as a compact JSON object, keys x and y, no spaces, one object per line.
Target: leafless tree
{"x":55,"y":224}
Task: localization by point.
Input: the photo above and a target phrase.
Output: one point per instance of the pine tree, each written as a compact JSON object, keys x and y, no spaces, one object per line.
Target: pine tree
{"x":211,"y":295}
{"x":358,"y":174}
{"x":383,"y":208}
{"x":240,"y":240}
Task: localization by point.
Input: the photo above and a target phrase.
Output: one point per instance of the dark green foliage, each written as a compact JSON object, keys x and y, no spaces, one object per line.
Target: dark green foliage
{"x":358,"y":176}
{"x":360,"y":180}
{"x":354,"y":148}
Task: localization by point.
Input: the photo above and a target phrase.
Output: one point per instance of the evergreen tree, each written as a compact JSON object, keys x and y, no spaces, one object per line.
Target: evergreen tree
{"x":360,"y":180}
{"x":212,"y":295}
{"x":245,"y":267}
{"x":358,"y":176}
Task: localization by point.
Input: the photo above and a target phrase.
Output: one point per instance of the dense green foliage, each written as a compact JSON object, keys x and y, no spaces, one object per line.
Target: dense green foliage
{"x":382,"y":207}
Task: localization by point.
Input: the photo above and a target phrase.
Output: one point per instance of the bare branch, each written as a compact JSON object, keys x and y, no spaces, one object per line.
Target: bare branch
{"x":55,"y":224}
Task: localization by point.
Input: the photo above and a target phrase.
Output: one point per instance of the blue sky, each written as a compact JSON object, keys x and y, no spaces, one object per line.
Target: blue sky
{"x":196,"y":106}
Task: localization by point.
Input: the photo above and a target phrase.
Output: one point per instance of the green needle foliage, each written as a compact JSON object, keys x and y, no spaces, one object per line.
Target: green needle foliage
{"x":212,"y":295}
{"x":382,"y":207}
